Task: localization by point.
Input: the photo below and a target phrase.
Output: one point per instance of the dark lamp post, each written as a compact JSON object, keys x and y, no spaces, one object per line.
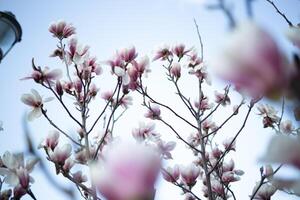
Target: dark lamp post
{"x":10,"y":32}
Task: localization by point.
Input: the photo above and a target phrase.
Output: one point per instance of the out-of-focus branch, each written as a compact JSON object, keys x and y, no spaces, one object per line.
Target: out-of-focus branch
{"x":226,"y":10}
{"x":249,"y":8}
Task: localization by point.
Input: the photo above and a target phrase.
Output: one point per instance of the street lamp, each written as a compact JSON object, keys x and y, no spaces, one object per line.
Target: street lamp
{"x":10,"y":32}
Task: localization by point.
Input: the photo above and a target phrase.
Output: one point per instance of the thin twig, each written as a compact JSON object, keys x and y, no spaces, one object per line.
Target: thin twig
{"x":234,"y":139}
{"x":228,"y":118}
{"x":143,"y":92}
{"x":44,"y":112}
{"x":179,"y":137}
{"x":227,"y":12}
{"x":200,"y":39}
{"x":280,"y":13}
{"x":103,"y":111}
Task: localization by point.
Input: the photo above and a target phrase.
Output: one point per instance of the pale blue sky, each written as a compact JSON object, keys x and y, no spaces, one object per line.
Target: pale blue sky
{"x":107,"y":26}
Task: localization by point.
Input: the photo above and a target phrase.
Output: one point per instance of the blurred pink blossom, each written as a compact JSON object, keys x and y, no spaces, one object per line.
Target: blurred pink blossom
{"x":127,"y":172}
{"x":253,"y":62}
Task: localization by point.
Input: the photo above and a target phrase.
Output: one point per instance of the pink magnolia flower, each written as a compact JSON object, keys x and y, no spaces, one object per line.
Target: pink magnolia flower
{"x":107,"y":95}
{"x":142,"y":66}
{"x":153,"y":113}
{"x":194,"y":139}
{"x":44,"y":76}
{"x":230,"y":176}
{"x":287,"y":127}
{"x":79,"y":177}
{"x":204,"y":104}
{"x":200,"y":71}
{"x":93,"y":91}
{"x":171,"y":174}
{"x":180,"y":50}
{"x":127,"y":172}
{"x":176,"y":70}
{"x":69,"y":163}
{"x":217,"y":187}
{"x":59,"y":88}
{"x":51,"y":140}
{"x":194,"y":60}
{"x":126,"y":101}
{"x":60,"y":154}
{"x":223,"y":99}
{"x":36,"y":102}
{"x":165,"y":148}
{"x":128,"y":54}
{"x":61,"y":29}
{"x":228,"y":144}
{"x":189,"y":174}
{"x":77,"y":53}
{"x":269,"y":115}
{"x":268,"y":171}
{"x":162,"y":53}
{"x":144,"y":131}
{"x":253,"y":62}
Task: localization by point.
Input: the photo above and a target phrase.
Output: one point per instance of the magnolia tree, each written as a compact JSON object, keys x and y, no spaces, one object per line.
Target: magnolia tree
{"x":102,"y":166}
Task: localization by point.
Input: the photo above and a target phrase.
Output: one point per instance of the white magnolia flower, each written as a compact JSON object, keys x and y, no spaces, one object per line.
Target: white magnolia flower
{"x":16,"y":171}
{"x":35,"y":101}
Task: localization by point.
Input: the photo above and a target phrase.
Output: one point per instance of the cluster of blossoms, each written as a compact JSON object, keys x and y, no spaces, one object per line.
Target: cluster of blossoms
{"x":252,"y":62}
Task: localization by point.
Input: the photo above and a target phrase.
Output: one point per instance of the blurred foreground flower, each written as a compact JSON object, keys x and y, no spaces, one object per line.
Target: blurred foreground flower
{"x":284,"y":149}
{"x":128,"y":172}
{"x":293,"y":34}
{"x":253,"y":62}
